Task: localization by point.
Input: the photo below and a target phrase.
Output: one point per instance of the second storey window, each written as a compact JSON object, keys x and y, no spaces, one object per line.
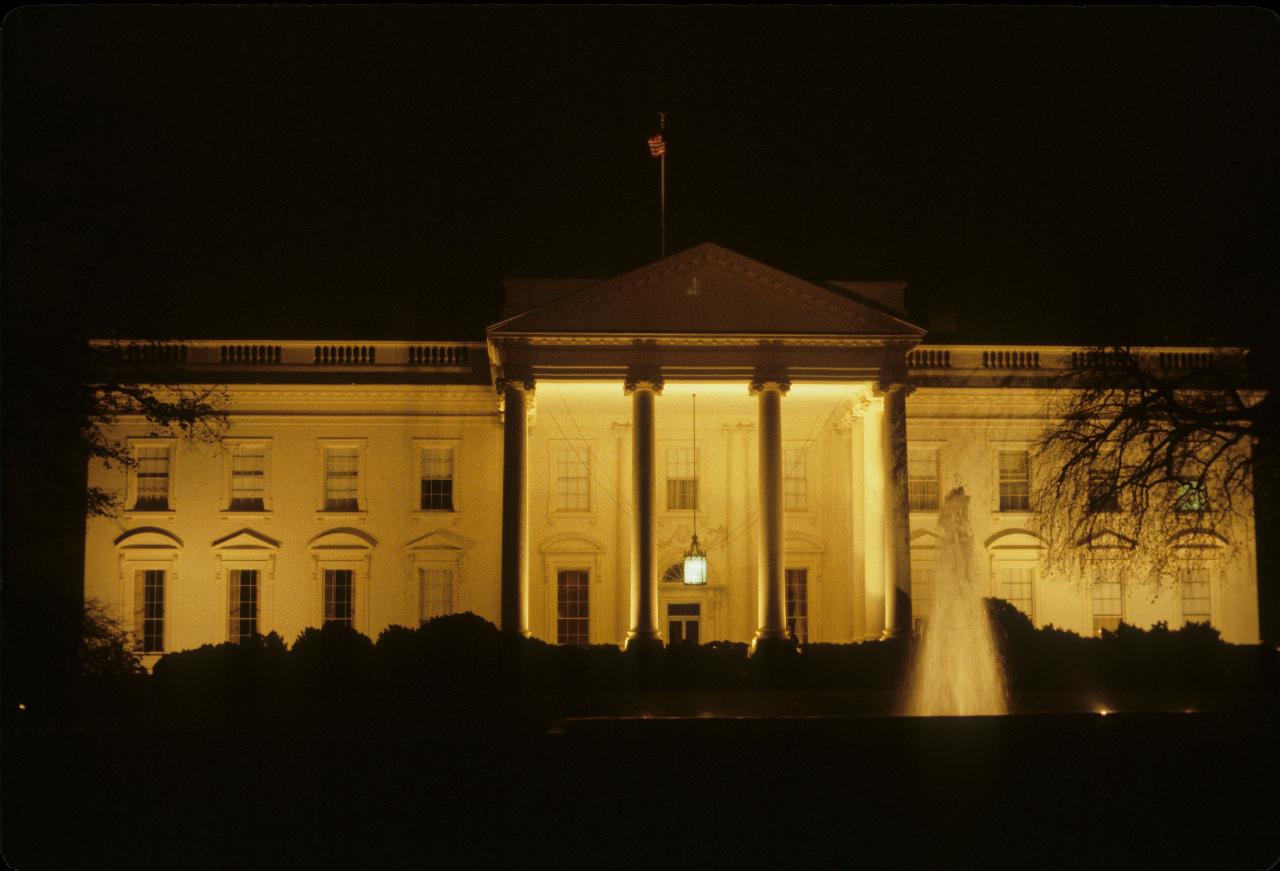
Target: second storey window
{"x":794,"y":479}
{"x":573,"y":478}
{"x":1015,"y":481}
{"x":248,"y":478}
{"x":922,"y":478}
{"x":1193,"y":497}
{"x":152,"y":475}
{"x":682,"y":480}
{"x":342,"y":479}
{"x":437,"y":479}
{"x":1103,"y":494}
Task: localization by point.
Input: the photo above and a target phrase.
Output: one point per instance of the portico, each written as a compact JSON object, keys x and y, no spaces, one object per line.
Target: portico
{"x":770,"y":353}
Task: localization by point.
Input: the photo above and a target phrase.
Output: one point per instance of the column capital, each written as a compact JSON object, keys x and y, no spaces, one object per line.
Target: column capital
{"x":523,"y":383}
{"x":887,"y":386}
{"x":760,"y":385}
{"x":634,"y":383}
{"x":620,"y":428}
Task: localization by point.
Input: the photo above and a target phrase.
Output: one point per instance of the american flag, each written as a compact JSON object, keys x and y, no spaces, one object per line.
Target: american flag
{"x":657,"y":145}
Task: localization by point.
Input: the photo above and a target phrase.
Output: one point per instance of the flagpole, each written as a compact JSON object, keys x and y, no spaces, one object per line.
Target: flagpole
{"x":662,"y":185}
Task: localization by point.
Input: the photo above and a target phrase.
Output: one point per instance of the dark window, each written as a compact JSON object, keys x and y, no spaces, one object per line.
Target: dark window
{"x":339,"y":596}
{"x":682,"y":622}
{"x":437,"y":479}
{"x":572,"y":608}
{"x":1102,"y":493}
{"x":797,"y":596}
{"x":153,"y":479}
{"x":1193,"y":498}
{"x":148,"y":610}
{"x":243,"y":585}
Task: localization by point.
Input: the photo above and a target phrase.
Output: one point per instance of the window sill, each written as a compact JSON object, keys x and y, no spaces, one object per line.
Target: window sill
{"x":265,"y":514}
{"x":425,"y":514}
{"x":168,"y":516}
{"x":334,"y":516}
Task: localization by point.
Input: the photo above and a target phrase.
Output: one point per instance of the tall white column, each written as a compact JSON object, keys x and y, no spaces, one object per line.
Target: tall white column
{"x":770,"y":580}
{"x":644,"y":587}
{"x":738,"y":518}
{"x":897,"y":531}
{"x":873,"y":501}
{"x":515,"y":504}
{"x":622,"y":528}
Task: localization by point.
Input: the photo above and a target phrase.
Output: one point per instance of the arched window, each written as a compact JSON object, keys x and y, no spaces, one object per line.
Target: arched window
{"x":674,"y":574}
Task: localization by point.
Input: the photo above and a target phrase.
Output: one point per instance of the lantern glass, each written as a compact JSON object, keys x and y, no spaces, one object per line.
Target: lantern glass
{"x":695,"y":569}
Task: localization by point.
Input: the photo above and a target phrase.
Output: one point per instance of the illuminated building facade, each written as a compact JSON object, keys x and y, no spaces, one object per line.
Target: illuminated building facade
{"x":547,"y":478}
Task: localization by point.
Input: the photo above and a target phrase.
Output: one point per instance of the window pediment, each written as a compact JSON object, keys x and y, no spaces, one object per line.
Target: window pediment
{"x":571,"y":542}
{"x":343,"y":539}
{"x":148,"y":537}
{"x":246,"y":539}
{"x":1202,"y":538}
{"x":1014,"y":538}
{"x":1108,"y":539}
{"x":441,"y":539}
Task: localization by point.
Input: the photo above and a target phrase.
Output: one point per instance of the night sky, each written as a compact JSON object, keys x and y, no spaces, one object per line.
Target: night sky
{"x":347,"y":172}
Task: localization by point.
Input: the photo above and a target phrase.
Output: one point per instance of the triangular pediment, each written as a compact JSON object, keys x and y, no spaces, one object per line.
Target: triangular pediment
{"x":441,"y":539}
{"x":246,"y":539}
{"x":707,"y":290}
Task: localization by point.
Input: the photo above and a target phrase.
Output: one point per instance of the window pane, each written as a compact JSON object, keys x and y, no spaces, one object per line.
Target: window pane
{"x":148,"y":614}
{"x":342,"y":479}
{"x":437,"y":479}
{"x":1014,"y":586}
{"x":573,"y":478}
{"x":794,"y":479}
{"x":572,"y":616}
{"x":1107,"y":594}
{"x":682,"y":481}
{"x":243,"y":588}
{"x":152,"y":476}
{"x":922,"y":578}
{"x":922,"y":479}
{"x":1015,"y":484}
{"x":339,"y":596}
{"x":248,"y":478}
{"x":1195,"y":593}
{"x":435,"y":587}
{"x":797,"y":604}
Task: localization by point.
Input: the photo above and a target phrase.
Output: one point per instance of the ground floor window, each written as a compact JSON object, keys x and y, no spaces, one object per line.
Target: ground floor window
{"x":148,"y":610}
{"x":1107,"y":594}
{"x":922,"y":579}
{"x":1014,"y":585}
{"x":797,"y":601}
{"x":339,"y":596}
{"x":1194,"y":585}
{"x":572,"y":607}
{"x":435,"y":593}
{"x":682,"y":622}
{"x":243,"y":589}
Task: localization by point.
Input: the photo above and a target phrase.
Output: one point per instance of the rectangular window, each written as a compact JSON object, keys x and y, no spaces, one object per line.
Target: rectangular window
{"x":682,"y":622}
{"x":797,"y":602}
{"x":682,"y":480}
{"x":342,"y":479}
{"x":922,"y":478}
{"x":248,"y":478}
{"x":243,"y":588}
{"x":1193,"y":497}
{"x":1107,"y":594}
{"x":437,"y":479}
{"x":152,"y":475}
{"x":435,"y":589}
{"x":922,"y":578}
{"x":794,"y":479}
{"x":1194,"y":581}
{"x":1015,"y":481}
{"x":573,"y":478}
{"x":572,"y":609}
{"x":339,"y":596}
{"x":148,"y":610}
{"x":1102,"y":493}
{"x":1013,"y":584}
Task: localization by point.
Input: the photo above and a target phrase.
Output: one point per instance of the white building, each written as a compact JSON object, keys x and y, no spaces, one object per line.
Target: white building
{"x":547,"y":478}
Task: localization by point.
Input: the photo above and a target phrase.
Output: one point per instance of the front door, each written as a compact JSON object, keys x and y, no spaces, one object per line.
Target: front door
{"x":682,"y":622}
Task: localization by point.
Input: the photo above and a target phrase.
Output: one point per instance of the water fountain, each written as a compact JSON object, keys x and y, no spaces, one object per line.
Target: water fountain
{"x":957,"y":672}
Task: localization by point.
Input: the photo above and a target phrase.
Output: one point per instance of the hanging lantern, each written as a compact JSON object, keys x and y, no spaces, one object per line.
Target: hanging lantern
{"x":695,"y":564}
{"x":695,"y":558}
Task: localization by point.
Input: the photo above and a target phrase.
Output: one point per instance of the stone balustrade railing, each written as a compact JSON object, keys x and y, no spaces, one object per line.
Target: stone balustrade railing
{"x":312,"y":355}
{"x":1048,"y":359}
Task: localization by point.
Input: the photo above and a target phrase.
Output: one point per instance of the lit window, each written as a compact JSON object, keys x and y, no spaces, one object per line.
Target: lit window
{"x":342,"y":479}
{"x":1192,"y":498}
{"x":1014,"y":585}
{"x":572,"y":607}
{"x":435,"y":590}
{"x":682,"y":622}
{"x":1194,"y":583}
{"x":437,"y":479}
{"x":922,"y":580}
{"x":573,"y":478}
{"x":1103,"y":497}
{"x":152,"y":478}
{"x":797,"y":604}
{"x":794,"y":479}
{"x":248,"y":478}
{"x":922,"y":478}
{"x":243,"y":588}
{"x":339,"y":596}
{"x":682,"y":480}
{"x":1107,"y":594}
{"x":1015,"y":481}
{"x":148,"y":610}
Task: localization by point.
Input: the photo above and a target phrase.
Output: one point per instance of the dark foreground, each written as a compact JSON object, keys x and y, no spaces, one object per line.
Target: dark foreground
{"x":1156,"y":790}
